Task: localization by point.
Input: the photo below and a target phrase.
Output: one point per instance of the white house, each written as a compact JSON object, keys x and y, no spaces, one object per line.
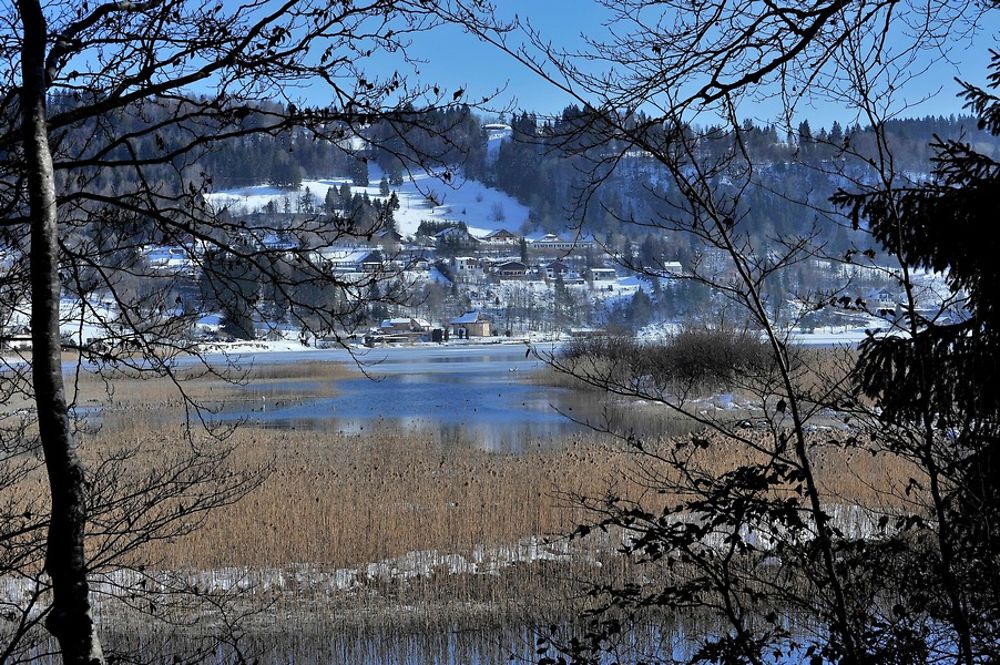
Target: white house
{"x":466,"y":267}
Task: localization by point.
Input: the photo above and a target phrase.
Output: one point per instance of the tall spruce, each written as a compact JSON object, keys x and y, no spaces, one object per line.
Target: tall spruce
{"x":940,"y":378}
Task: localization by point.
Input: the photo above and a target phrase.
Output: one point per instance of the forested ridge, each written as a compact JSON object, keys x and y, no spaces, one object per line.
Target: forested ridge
{"x":796,"y":171}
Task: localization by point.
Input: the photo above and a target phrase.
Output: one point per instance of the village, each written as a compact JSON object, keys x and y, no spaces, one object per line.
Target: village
{"x":459,"y":286}
{"x":413,"y":263}
{"x":462,"y":286}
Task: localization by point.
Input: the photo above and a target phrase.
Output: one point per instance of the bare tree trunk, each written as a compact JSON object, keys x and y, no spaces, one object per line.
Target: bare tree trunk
{"x":70,"y":619}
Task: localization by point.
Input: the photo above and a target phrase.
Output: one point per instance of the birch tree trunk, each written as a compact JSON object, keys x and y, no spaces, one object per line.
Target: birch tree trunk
{"x":70,"y":618}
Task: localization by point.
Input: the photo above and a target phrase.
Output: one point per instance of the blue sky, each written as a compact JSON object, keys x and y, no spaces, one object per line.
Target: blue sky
{"x":459,"y":59}
{"x":455,"y":59}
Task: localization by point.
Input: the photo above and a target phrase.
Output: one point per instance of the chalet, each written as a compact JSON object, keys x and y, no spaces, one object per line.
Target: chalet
{"x":501,"y":238}
{"x":353,"y":260}
{"x":417,"y":263}
{"x":465,"y":267}
{"x":883,"y":301}
{"x":277,"y":242}
{"x":556,"y":269}
{"x":670,"y":269}
{"x":391,"y":234}
{"x":388,"y":238}
{"x":402,"y":325}
{"x":471,"y":324}
{"x":456,"y":236}
{"x":511,"y":269}
{"x":373,"y":262}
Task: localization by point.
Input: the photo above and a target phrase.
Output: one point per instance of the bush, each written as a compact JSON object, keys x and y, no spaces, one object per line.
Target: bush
{"x":695,"y":359}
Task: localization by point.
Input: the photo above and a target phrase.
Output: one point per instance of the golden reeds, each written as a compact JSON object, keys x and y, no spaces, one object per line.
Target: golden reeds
{"x":392,"y":498}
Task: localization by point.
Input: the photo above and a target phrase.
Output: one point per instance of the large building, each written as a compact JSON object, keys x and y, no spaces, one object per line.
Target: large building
{"x":552,"y":242}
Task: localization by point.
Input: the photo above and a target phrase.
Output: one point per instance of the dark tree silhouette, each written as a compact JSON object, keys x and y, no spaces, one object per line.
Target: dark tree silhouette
{"x":107,"y":110}
{"x":937,"y":384}
{"x":761,"y":547}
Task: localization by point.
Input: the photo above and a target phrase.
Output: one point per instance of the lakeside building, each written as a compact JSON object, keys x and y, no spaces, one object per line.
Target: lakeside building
{"x":471,"y":324}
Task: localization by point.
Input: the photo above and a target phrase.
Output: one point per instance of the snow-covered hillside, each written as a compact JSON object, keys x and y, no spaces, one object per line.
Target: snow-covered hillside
{"x":423,"y":197}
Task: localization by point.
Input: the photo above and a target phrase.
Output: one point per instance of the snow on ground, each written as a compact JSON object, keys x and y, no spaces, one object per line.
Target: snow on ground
{"x":437,"y":276}
{"x":254,"y":346}
{"x":822,"y":336}
{"x":845,"y":335}
{"x":483,"y":560}
{"x":658,"y":333}
{"x":829,"y":336}
{"x":422,"y":197}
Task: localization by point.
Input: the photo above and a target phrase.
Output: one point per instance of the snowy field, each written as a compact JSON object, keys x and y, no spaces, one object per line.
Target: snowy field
{"x":820,"y":337}
{"x":423,"y":197}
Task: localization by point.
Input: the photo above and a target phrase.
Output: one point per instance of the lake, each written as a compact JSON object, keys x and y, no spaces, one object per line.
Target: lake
{"x":461,"y":394}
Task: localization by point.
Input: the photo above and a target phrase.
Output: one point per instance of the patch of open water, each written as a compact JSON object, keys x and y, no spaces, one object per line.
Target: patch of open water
{"x":470,"y":394}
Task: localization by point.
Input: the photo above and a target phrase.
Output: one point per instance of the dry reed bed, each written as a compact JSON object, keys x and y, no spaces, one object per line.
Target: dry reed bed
{"x":340,"y":500}
{"x":378,"y":507}
{"x":167,"y":396}
{"x":332,"y":502}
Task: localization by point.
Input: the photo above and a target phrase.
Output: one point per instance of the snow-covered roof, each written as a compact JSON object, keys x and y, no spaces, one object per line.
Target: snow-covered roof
{"x":672,"y":267}
{"x":341,"y":254}
{"x":500,"y":233}
{"x":399,"y":321}
{"x":468,"y":317}
{"x":349,"y":256}
{"x":453,"y":231}
{"x":164,"y":253}
{"x":274,"y":241}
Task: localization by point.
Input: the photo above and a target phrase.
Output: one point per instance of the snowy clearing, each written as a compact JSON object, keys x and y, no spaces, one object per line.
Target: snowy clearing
{"x":421,"y":197}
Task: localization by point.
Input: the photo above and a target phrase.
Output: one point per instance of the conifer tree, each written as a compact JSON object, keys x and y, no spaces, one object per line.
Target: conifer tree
{"x":939,"y":381}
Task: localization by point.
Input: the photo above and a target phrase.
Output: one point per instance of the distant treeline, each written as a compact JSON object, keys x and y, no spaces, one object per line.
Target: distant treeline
{"x":172,"y":144}
{"x":546,"y":166}
{"x":543,"y":165}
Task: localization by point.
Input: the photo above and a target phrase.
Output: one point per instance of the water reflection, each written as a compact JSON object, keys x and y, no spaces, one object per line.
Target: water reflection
{"x":485,"y":397}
